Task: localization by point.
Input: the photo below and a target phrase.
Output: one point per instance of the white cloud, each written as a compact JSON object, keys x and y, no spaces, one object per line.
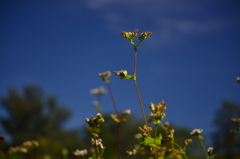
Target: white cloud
{"x":170,"y":20}
{"x":148,"y":5}
{"x":171,"y":14}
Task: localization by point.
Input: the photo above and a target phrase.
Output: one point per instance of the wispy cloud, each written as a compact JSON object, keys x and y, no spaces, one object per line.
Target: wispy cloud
{"x":171,"y":21}
{"x":170,"y":18}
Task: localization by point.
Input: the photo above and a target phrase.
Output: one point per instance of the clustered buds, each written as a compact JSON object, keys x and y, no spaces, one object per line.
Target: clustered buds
{"x":131,"y":153}
{"x":187,"y":142}
{"x":80,"y":152}
{"x":121,"y":118}
{"x":144,"y":35}
{"x":126,"y":112}
{"x":145,"y":131}
{"x":24,"y":147}
{"x":95,"y":121}
{"x":121,"y":73}
{"x":17,"y":149}
{"x":97,"y":142}
{"x":30,"y":144}
{"x":169,"y":136}
{"x":105,"y":76}
{"x":98,"y":91}
{"x":161,"y":150}
{"x":130,"y":35}
{"x":167,"y":124}
{"x":172,"y":152}
{"x":236,"y":120}
{"x":157,"y":111}
{"x":196,"y":132}
{"x":210,"y":150}
{"x":96,"y":103}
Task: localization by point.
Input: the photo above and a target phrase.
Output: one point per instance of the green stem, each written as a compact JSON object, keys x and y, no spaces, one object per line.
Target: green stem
{"x":176,"y":144}
{"x":180,"y":148}
{"x":118,"y":140}
{"x":185,"y":156}
{"x":204,"y":148}
{"x":173,"y":143}
{"x":164,"y":128}
{"x":155,"y":135}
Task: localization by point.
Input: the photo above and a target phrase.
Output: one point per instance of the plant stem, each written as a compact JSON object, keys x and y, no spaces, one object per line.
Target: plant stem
{"x":116,"y":112}
{"x":96,"y":149}
{"x":155,"y":135}
{"x":135,"y":62}
{"x":164,"y":128}
{"x":30,"y":153}
{"x":184,"y":155}
{"x":112,"y":98}
{"x":141,"y":105}
{"x":139,"y":96}
{"x":136,"y":85}
{"x":155,"y":131}
{"x":204,"y":148}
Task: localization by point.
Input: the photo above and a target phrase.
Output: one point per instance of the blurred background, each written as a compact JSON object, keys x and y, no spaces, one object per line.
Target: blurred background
{"x":52,"y":51}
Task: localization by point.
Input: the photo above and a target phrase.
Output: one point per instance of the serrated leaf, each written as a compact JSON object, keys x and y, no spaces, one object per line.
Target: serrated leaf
{"x":148,"y":141}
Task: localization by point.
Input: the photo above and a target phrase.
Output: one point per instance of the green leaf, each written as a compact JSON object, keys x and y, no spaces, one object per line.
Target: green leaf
{"x":101,"y":151}
{"x":126,"y":77}
{"x":200,"y":137}
{"x":148,"y":141}
{"x":210,"y":157}
{"x":94,"y":134}
{"x":157,"y":122}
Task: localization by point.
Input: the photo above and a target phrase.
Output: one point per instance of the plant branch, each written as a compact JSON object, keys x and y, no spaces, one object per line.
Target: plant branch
{"x":112,"y":98}
{"x":204,"y":148}
{"x":116,"y":112}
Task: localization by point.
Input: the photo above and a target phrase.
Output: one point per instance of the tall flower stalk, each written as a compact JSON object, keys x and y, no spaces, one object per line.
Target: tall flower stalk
{"x":123,"y":73}
{"x":105,"y":77}
{"x":137,"y":89}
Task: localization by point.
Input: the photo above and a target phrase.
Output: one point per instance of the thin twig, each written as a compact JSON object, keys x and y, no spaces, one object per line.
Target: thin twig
{"x":136,"y":85}
{"x":204,"y":148}
{"x":116,"y":112}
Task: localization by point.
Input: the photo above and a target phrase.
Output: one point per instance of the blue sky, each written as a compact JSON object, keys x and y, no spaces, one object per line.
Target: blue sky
{"x":191,"y":61}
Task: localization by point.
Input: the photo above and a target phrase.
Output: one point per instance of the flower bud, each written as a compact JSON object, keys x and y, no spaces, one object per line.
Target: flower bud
{"x":210,"y":150}
{"x":126,"y":112}
{"x":196,"y":132}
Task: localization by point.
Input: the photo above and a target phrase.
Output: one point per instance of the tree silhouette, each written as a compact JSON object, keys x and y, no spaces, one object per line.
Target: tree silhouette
{"x":226,"y":145}
{"x":33,"y":116}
